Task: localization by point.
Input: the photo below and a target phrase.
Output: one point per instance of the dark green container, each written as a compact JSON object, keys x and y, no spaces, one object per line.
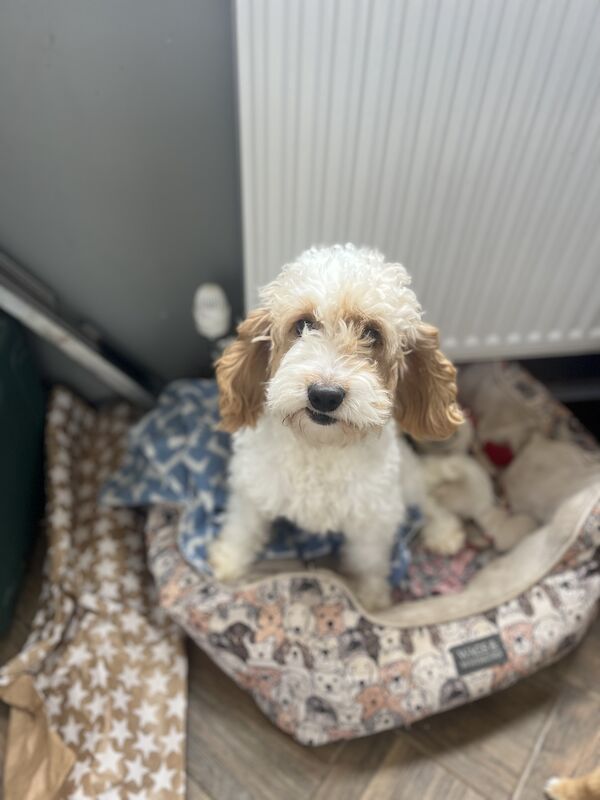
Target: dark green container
{"x":22,"y":407}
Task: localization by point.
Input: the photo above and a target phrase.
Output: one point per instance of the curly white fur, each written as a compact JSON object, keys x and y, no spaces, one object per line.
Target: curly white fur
{"x":345,"y":476}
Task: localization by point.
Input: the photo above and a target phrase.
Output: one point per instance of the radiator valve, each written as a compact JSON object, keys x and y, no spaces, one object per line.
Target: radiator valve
{"x":212,"y":312}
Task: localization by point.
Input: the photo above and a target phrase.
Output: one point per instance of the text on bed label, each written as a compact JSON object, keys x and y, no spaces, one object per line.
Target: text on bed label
{"x":479,"y":654}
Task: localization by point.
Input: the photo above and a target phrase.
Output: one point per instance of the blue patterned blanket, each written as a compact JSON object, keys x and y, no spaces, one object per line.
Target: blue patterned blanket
{"x":176,"y":455}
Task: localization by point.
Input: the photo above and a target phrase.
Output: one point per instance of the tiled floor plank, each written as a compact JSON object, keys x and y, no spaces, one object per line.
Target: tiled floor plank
{"x":354,"y":767}
{"x":194,"y":792}
{"x":570,"y":745}
{"x":486,"y":744}
{"x":406,"y":772}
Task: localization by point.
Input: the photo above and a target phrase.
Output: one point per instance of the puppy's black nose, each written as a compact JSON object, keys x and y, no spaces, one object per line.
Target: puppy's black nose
{"x":325,"y":398}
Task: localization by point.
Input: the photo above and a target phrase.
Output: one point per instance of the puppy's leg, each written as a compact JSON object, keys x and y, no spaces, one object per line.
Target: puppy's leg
{"x":366,"y":555}
{"x":443,"y":532}
{"x":243,"y":536}
{"x":585,"y":788}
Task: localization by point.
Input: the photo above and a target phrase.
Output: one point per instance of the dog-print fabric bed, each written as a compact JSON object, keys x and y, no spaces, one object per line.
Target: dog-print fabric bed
{"x":322,"y":669}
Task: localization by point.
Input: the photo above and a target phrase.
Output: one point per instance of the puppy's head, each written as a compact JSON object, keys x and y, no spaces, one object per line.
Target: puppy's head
{"x":336,"y":348}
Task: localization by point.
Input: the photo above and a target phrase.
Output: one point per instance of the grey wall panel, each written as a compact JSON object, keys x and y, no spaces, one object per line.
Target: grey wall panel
{"x":56,"y":367}
{"x":118,"y":163}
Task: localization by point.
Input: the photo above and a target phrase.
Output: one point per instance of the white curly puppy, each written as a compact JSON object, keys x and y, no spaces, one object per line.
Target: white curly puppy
{"x":313,"y":389}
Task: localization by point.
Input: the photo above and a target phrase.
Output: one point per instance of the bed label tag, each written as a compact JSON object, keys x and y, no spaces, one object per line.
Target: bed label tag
{"x":479,"y":654}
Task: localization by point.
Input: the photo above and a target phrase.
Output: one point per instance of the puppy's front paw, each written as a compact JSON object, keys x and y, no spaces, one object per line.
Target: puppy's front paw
{"x":374,"y":593}
{"x":228,"y":562}
{"x":444,"y":537}
{"x":551,"y":786}
{"x":564,"y":789}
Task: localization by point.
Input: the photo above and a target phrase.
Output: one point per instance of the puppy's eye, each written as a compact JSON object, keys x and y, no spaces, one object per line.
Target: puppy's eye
{"x":303,"y":324}
{"x":370,"y":335}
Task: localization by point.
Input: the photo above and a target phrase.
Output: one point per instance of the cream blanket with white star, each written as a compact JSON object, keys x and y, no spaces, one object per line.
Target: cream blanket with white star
{"x":97,"y":694}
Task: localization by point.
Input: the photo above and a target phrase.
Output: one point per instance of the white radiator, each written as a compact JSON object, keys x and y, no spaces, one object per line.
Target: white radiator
{"x":460,"y":137}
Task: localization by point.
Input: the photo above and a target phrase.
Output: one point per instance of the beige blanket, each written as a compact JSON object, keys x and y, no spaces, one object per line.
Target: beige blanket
{"x":97,"y":695}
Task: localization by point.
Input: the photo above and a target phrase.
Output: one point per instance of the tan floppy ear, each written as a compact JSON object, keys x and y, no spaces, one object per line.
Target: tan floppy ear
{"x":426,"y":392}
{"x":242,"y":373}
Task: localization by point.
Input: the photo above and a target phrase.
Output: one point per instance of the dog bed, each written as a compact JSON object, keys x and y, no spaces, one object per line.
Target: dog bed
{"x":323,"y":669}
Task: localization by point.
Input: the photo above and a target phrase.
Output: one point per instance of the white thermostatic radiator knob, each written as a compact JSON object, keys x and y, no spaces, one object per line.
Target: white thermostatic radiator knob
{"x":212,"y":312}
